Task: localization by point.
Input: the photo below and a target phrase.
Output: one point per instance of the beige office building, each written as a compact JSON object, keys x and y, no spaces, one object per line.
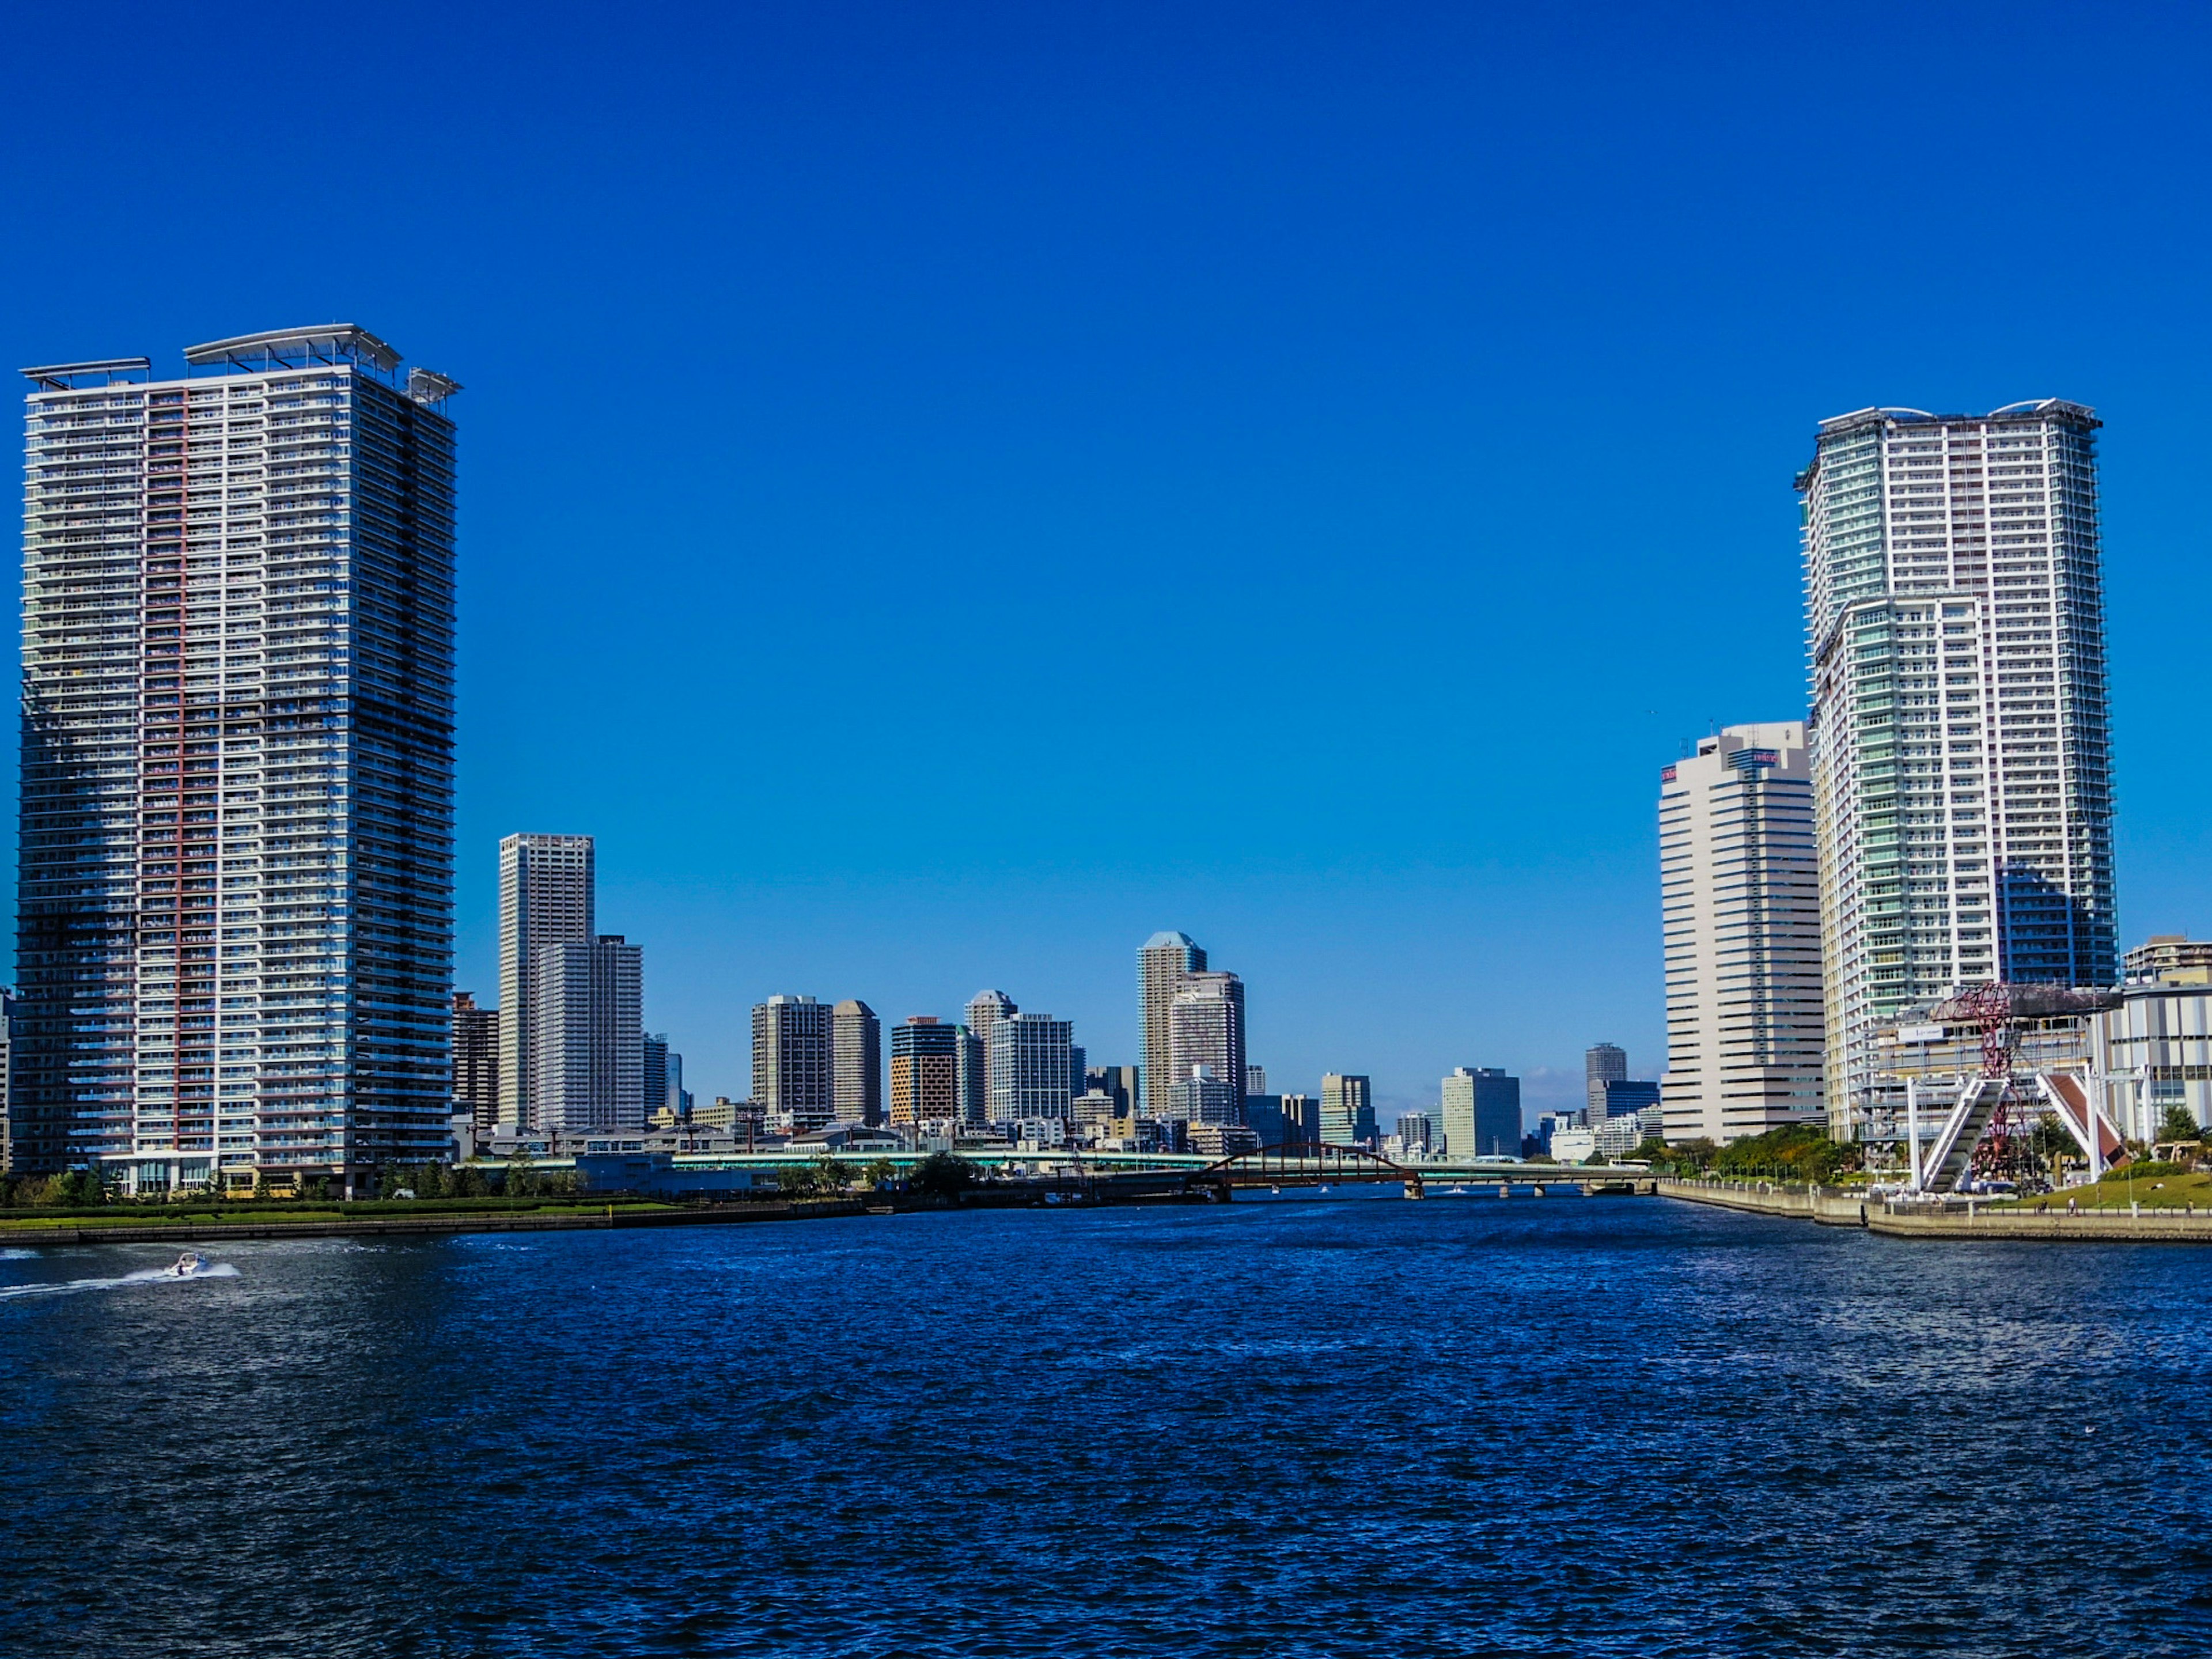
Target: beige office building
{"x":1739,"y":911}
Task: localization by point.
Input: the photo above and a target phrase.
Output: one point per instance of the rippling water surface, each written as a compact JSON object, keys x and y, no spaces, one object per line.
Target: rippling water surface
{"x":1330,"y":1426}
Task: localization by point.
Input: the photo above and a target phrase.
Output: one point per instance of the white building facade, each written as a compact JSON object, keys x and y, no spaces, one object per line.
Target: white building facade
{"x":235,"y":926}
{"x":1740,"y":913}
{"x":548,"y":887}
{"x":1959,"y":733}
{"x":589,"y":1047}
{"x":1030,"y":1068}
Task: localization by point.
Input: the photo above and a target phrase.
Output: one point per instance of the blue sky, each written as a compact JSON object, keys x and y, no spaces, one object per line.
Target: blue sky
{"x":949,"y":490}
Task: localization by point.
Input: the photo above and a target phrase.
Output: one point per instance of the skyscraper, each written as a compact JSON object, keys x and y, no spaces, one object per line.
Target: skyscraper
{"x":856,"y":1044}
{"x":1740,"y":909}
{"x":793,"y":1076}
{"x":925,"y":1073}
{"x":1482,"y":1113}
{"x":1161,"y":965}
{"x":1601,"y":1063}
{"x":235,"y":917}
{"x":475,"y":1060}
{"x":589,"y":1045}
{"x":1347,"y":1110}
{"x":1960,"y":736}
{"x":652,"y":1073}
{"x":1030,"y":1071}
{"x":547,"y":896}
{"x":1205,"y":1027}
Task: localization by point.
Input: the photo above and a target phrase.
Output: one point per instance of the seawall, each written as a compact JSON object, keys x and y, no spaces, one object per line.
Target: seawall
{"x":1842,"y":1207}
{"x":617,"y":1216}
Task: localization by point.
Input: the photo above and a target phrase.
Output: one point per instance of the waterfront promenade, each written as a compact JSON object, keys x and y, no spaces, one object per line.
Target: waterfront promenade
{"x":1955,"y":1218}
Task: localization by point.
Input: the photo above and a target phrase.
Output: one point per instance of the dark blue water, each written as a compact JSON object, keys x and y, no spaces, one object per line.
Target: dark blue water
{"x":1289,"y":1428}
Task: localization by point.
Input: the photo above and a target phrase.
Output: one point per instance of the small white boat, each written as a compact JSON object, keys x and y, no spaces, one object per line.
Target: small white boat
{"x":186,"y":1265}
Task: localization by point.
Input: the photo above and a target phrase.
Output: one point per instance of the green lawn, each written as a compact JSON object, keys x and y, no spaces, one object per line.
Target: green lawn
{"x":2170,"y":1192}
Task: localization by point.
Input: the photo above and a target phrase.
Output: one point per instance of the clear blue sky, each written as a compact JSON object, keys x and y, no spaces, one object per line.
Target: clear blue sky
{"x":950,"y":489}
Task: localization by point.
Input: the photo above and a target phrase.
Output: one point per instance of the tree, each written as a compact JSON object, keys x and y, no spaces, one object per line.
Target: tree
{"x":2176,"y":1123}
{"x":942,"y":1175}
{"x":881,"y":1174}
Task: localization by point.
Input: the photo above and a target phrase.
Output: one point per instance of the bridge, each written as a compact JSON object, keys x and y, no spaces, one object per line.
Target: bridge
{"x":1136,"y":1177}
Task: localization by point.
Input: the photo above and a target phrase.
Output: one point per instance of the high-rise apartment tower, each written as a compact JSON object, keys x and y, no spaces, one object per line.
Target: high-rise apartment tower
{"x":1601,"y":1063}
{"x":1960,"y":735}
{"x":856,"y":1062}
{"x":475,"y":1060}
{"x":589,"y":1047}
{"x":235,"y":917}
{"x":794,"y":1074}
{"x":547,"y":886}
{"x":1348,"y":1109}
{"x":1162,"y":963}
{"x":1739,"y":914}
{"x":925,"y":1073}
{"x":1205,"y":1027}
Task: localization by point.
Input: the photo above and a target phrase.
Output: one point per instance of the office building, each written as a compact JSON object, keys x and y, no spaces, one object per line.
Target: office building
{"x":1079,"y":1068}
{"x":547,"y":897}
{"x":2155,"y":1049}
{"x":1204,"y":1097}
{"x":1481,"y":1112}
{"x":1162,"y":963}
{"x":1628,"y":1096}
{"x":1301,"y":1120}
{"x":925,"y":1073}
{"x":856,"y":1044}
{"x":1600,"y":1065}
{"x":1027,"y":1054}
{"x":652,"y":1074}
{"x":2172,"y":958}
{"x":1118,"y":1081}
{"x":1255,"y":1079}
{"x":236,"y":903}
{"x":1416,"y":1132}
{"x":1347,"y":1110}
{"x":974,"y":1078}
{"x":1205,"y":1028}
{"x":475,"y":1060}
{"x":1960,"y":736}
{"x":589,"y":1046}
{"x":794,"y":1074}
{"x":1740,"y":903}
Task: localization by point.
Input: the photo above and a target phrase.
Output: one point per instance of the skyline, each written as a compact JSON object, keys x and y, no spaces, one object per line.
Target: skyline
{"x":1436,"y":845}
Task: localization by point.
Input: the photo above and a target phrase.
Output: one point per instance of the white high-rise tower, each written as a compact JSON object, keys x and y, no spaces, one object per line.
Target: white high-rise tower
{"x":1740,"y":908}
{"x":1959,"y":734}
{"x":235,"y":943}
{"x":1162,"y":964}
{"x":547,"y":889}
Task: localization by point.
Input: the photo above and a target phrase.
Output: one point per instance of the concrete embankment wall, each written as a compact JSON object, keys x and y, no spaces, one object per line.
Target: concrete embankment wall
{"x":204,"y":1232}
{"x":1839,"y":1206}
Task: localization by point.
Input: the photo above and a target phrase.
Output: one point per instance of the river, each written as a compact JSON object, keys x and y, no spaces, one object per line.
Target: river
{"x":1339,"y":1426}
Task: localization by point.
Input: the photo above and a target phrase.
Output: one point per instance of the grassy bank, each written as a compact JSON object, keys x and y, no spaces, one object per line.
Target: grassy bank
{"x":2167,"y":1191}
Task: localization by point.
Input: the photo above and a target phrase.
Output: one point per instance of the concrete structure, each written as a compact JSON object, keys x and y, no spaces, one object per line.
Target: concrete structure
{"x":1481,"y":1113}
{"x":793,"y":1076}
{"x":476,"y":1061}
{"x":2169,"y":958}
{"x":235,"y":905}
{"x":1959,"y":734}
{"x":856,"y":1045}
{"x":1205,"y":1028}
{"x":547,"y":896}
{"x":2154,"y":1051}
{"x":1204,"y":1097}
{"x":1347,"y":1110}
{"x":925,"y":1073}
{"x":1740,"y":909}
{"x":1602,"y":1064}
{"x":589,"y":1045}
{"x":1028,"y":1057}
{"x":1163,"y":962}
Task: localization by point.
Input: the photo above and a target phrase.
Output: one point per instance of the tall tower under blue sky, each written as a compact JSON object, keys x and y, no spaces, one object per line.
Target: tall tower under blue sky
{"x":235,"y":935}
{"x":1960,"y":735}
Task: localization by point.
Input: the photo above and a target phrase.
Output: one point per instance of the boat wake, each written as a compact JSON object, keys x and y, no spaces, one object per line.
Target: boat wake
{"x":144,"y":1276}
